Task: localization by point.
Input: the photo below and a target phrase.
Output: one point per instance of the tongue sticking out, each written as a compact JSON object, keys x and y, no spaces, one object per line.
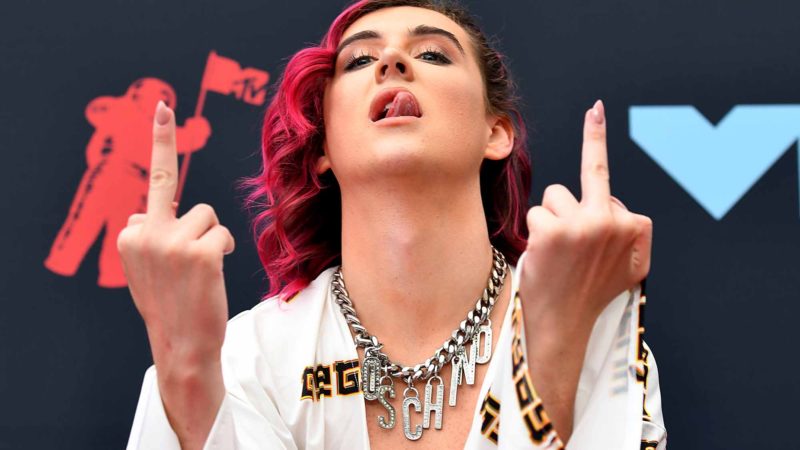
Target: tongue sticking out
{"x":403,"y":105}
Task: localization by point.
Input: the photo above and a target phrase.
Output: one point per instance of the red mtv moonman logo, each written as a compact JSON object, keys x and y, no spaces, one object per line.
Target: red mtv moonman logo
{"x":115,"y":182}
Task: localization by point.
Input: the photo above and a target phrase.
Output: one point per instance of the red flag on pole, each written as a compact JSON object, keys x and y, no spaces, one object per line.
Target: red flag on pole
{"x":225,"y":76}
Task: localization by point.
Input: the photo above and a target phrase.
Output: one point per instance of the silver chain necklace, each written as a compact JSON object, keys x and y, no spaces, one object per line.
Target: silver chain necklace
{"x":476,"y":328}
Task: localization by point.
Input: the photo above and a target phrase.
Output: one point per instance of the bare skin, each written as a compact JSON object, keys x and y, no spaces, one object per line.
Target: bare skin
{"x":416,"y":249}
{"x":174,"y":272}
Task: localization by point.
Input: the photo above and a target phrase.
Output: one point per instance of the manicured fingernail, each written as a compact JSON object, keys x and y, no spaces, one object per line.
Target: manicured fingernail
{"x":162,"y":113}
{"x":598,"y":112}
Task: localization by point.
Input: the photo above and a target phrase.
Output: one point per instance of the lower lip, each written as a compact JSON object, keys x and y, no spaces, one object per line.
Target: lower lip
{"x":400,"y":120}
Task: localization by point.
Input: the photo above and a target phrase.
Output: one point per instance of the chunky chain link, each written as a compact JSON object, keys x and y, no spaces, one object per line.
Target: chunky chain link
{"x":451,"y":347}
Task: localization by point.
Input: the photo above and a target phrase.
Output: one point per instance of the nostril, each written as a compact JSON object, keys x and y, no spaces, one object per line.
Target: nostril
{"x":400,"y":68}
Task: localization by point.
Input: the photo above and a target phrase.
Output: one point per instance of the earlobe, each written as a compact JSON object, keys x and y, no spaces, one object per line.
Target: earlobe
{"x":323,"y":163}
{"x":501,"y":139}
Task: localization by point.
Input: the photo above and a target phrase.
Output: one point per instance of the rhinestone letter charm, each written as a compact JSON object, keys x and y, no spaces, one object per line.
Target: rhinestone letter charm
{"x":408,"y":402}
{"x":435,"y":407}
{"x":369,"y":377}
{"x":382,"y":391}
{"x":467,"y":365}
{"x":484,"y":331}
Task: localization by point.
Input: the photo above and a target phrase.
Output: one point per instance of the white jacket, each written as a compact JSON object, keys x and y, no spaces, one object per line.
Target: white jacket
{"x":292,"y":382}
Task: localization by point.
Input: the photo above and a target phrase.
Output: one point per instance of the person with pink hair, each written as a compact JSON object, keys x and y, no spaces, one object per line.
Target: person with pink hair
{"x":392,"y":216}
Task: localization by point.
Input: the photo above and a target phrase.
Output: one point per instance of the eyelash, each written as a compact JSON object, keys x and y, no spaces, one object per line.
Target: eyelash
{"x":350,"y":63}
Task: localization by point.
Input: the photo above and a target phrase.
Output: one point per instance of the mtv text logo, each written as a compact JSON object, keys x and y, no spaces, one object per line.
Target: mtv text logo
{"x":716,"y":165}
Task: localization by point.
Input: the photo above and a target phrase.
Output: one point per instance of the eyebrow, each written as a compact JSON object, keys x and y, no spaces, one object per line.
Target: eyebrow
{"x":420,"y":30}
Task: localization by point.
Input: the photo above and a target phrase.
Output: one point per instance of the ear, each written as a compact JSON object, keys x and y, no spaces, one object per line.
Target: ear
{"x":323,"y":162}
{"x":501,"y":138}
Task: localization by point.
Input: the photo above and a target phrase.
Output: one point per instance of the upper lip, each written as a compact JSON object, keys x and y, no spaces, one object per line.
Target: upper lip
{"x":384,"y":97}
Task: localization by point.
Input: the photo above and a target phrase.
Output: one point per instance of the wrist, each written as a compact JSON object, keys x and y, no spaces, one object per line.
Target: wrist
{"x":557,"y":330}
{"x":189,"y":378}
{"x":183,"y":355}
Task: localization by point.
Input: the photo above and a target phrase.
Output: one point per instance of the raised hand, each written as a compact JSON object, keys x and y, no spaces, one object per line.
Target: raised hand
{"x":174,"y":272}
{"x":580,"y":256}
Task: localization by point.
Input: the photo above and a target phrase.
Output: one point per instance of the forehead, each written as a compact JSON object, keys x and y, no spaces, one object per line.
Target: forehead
{"x":399,"y":19}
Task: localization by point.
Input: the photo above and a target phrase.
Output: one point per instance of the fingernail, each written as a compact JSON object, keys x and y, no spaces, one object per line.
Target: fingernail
{"x":162,"y":113}
{"x":598,"y":112}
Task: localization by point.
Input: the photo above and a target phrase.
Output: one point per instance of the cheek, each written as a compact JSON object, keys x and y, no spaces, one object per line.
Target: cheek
{"x":461,"y":103}
{"x":343,"y":126}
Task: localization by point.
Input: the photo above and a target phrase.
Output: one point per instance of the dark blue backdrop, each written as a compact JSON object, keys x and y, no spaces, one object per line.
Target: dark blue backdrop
{"x":722,"y":294}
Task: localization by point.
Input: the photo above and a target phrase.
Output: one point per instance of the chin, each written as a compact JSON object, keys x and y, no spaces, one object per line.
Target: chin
{"x":397,"y":159}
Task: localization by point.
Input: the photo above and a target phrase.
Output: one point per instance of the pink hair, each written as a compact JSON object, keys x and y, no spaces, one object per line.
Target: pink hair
{"x":298,"y":226}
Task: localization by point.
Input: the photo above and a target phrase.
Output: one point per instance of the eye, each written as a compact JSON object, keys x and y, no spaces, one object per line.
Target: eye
{"x":361,"y":59}
{"x":436,"y":56}
{"x":356,"y":60}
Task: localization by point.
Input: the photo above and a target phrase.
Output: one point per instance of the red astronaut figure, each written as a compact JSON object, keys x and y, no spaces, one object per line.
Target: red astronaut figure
{"x":115,"y":183}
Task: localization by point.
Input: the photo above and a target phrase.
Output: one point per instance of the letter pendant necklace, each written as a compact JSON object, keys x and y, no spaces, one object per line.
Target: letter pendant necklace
{"x":377,"y":370}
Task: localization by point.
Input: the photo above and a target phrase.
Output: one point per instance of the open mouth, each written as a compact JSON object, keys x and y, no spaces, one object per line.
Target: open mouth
{"x":394,"y":102}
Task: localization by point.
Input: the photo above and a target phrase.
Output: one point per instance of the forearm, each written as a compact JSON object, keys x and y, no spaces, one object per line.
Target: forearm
{"x":555,"y":357}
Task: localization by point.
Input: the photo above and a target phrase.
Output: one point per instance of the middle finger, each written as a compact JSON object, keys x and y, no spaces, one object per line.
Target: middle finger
{"x":595,"y":184}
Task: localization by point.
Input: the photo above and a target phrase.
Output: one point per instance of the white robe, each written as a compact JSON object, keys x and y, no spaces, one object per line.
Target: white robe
{"x":292,"y":382}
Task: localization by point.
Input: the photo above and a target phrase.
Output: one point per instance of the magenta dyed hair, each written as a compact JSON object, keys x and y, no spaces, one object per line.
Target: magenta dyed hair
{"x":298,"y":224}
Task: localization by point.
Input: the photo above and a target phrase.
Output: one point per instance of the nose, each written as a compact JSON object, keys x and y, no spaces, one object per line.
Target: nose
{"x":393,"y":64}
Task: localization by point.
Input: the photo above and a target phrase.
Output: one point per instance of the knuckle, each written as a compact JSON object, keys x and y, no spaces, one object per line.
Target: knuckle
{"x":206,"y":257}
{"x":647,"y":223}
{"x":530,"y":217}
{"x":642,"y":224}
{"x":597,"y":169}
{"x":162,"y":178}
{"x":599,"y":227}
{"x":546,"y":232}
{"x":534,"y":216}
{"x":558,"y":234}
{"x":162,"y":136}
{"x":553,"y":188}
{"x":174,"y":249}
{"x":628,"y":225}
{"x":135,"y":218}
{"x":596,"y":133}
{"x":576,"y":234}
{"x":618,"y":202}
{"x":129,"y":241}
{"x":194,"y":252}
{"x":583,"y":236}
{"x":123,"y":241}
{"x":205,"y":209}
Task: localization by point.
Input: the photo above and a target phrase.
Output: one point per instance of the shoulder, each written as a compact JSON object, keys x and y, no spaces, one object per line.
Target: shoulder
{"x":268,"y":347}
{"x":273,"y":321}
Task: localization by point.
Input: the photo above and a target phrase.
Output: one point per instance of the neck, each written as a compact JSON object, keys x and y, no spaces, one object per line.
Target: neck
{"x":414,"y":260}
